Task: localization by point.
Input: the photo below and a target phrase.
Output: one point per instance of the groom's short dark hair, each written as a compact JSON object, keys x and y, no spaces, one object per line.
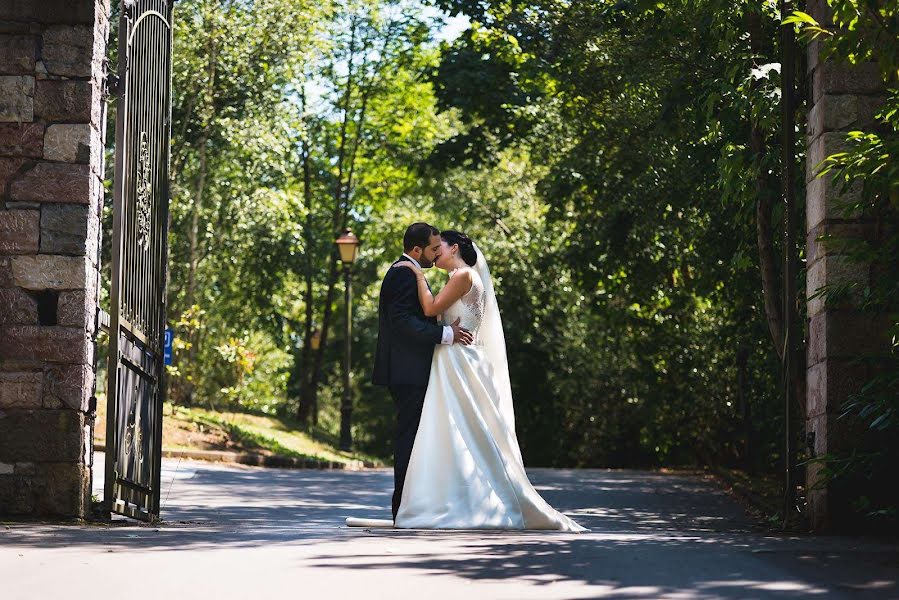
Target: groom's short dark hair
{"x":418,"y":234}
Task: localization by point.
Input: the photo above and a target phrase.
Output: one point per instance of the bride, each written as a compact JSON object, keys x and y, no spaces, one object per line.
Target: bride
{"x":466,"y":470}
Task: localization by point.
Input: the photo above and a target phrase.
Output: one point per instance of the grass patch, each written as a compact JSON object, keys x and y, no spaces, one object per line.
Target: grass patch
{"x":271,"y":434}
{"x":194,"y":428}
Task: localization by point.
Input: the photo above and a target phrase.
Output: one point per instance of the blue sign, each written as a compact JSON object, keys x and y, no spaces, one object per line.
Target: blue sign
{"x":167,"y":346}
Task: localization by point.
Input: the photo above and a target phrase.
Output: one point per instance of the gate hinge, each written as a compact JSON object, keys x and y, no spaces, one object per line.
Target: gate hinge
{"x":103,"y":320}
{"x":112,"y":85}
{"x":110,"y":79}
{"x":91,"y":412}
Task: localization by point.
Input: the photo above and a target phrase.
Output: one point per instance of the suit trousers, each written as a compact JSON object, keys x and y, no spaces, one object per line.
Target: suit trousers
{"x":409,"y":400}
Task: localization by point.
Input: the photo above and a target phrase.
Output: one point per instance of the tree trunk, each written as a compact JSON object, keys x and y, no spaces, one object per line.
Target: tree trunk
{"x":315,"y":378}
{"x":360,"y":124}
{"x":743,"y":396}
{"x":346,"y":162}
{"x":764,"y":209}
{"x":193,"y":258}
{"x":306,"y":406}
{"x":193,"y":234}
{"x":192,"y":264}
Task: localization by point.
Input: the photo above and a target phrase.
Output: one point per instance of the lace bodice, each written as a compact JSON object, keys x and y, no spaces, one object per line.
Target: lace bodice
{"x":470,"y":307}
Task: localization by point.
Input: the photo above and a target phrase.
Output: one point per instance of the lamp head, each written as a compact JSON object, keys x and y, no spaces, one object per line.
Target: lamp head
{"x":348,"y":247}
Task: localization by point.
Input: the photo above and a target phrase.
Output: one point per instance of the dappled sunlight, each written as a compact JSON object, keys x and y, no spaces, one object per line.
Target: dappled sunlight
{"x":670,"y":566}
{"x":652,"y":535}
{"x":771,"y":586}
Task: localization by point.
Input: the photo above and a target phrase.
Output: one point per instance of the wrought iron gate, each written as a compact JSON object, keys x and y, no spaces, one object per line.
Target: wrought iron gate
{"x":139,"y":259}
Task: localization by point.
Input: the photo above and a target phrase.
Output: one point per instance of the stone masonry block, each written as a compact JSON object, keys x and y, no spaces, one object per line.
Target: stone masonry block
{"x":840,"y":271}
{"x":817,"y":423}
{"x":17,"y":28}
{"x":50,"y":11}
{"x":53,"y":182}
{"x":70,"y":142}
{"x":820,"y":148}
{"x":68,"y":50}
{"x":846,"y":335}
{"x":6,"y":279}
{"x":837,"y":78}
{"x":868,"y":108}
{"x":843,"y":112}
{"x":813,"y":56}
{"x":836,"y":238}
{"x":17,"y":54}
{"x":826,"y":200}
{"x":17,"y":307}
{"x":20,"y":390}
{"x":97,"y":160}
{"x":50,"y":272}
{"x":22,"y":139}
{"x":820,"y":10}
{"x":19,"y":231}
{"x":41,"y":436}
{"x":51,"y":344}
{"x":9,"y":168}
{"x":16,"y":98}
{"x":16,"y":495}
{"x":77,"y":308}
{"x":61,"y":489}
{"x":61,"y":100}
{"x":64,"y":229}
{"x":831,"y":383}
{"x":24,"y":468}
{"x":67,"y":386}
{"x":832,"y":113}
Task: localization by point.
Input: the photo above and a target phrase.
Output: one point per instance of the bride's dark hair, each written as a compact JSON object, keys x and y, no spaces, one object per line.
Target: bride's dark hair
{"x":466,"y":246}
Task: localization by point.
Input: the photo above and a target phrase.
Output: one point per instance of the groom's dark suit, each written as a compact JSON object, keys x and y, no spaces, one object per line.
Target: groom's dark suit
{"x":406,"y":340}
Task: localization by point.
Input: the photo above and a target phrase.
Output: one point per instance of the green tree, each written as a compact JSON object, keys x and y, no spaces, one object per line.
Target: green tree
{"x":233,"y":231}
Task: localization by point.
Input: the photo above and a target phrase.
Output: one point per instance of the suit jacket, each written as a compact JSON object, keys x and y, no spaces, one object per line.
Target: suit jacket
{"x":406,"y":337}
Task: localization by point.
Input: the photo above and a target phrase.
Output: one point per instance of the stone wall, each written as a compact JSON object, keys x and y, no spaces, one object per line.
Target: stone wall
{"x":51,"y":193}
{"x":844,"y":97}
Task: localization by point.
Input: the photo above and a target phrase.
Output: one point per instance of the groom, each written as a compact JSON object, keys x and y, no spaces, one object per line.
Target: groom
{"x":406,"y":340}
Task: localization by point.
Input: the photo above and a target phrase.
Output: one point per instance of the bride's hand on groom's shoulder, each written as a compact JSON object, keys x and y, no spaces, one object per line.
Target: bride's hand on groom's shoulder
{"x":409,"y":266}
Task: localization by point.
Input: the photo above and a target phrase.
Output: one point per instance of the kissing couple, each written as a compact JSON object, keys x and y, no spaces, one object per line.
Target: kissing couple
{"x":457,"y":464}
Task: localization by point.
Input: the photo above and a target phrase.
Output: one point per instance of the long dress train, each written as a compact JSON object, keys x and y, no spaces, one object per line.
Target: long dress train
{"x":466,"y":470}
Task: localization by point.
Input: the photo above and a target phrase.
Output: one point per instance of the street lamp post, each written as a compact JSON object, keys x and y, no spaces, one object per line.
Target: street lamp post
{"x":348,"y":248}
{"x":315,"y":343}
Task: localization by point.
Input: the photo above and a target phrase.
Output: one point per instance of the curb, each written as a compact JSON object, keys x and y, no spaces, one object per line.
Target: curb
{"x":755,"y":505}
{"x":263,"y":460}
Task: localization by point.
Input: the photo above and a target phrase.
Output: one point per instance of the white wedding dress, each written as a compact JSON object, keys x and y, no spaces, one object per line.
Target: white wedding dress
{"x":466,"y":470}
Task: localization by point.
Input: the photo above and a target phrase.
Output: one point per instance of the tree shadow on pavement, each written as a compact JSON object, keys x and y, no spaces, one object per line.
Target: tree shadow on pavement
{"x":652,"y":534}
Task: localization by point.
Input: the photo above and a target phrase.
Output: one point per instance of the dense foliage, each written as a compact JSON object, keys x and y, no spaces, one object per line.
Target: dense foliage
{"x":639,"y":115}
{"x":868,"y":172}
{"x":619,"y":162}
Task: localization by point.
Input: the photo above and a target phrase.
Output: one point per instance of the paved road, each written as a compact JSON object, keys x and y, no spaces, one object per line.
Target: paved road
{"x":252,"y":533}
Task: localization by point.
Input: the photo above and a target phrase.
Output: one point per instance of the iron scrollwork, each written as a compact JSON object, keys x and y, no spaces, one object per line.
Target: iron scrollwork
{"x":144,"y":193}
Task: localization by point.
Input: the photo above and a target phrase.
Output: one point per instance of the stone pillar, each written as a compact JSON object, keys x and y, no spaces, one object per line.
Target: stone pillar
{"x":51,"y":194}
{"x":844,"y":98}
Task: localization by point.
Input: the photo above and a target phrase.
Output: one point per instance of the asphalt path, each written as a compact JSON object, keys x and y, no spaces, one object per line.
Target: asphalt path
{"x":231,"y":531}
